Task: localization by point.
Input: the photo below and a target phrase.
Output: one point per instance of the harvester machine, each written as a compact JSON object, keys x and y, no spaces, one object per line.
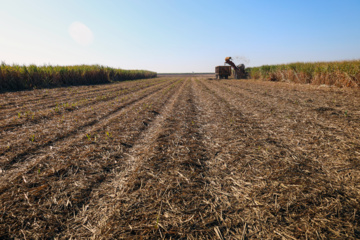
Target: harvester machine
{"x":238,"y":71}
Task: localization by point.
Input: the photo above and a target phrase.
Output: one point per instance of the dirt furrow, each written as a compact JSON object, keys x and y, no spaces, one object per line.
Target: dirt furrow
{"x":308,"y":128}
{"x":17,"y":118}
{"x":323,"y":96}
{"x":31,"y":99}
{"x":46,"y":97}
{"x":72,"y":179}
{"x":34,"y":159}
{"x":63,"y":128}
{"x":167,"y":181}
{"x":100,"y":207}
{"x":338,"y":110}
{"x":285,"y":184}
{"x":192,"y":159}
{"x":57,"y":122}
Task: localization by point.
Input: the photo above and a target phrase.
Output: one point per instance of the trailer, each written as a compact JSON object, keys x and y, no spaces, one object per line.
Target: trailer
{"x":222,"y":72}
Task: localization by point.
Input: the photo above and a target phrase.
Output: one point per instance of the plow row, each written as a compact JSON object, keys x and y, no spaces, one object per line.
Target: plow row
{"x":180,"y":158}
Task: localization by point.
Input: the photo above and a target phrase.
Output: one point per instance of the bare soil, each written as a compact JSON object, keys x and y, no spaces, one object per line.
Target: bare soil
{"x":181,"y":157}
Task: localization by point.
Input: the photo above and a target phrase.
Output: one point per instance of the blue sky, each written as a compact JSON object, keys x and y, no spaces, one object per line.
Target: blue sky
{"x":177,"y":35}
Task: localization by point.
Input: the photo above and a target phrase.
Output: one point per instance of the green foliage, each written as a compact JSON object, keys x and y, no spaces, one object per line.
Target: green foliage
{"x":17,"y":77}
{"x":88,"y":137}
{"x":108,"y":135}
{"x":32,"y":138}
{"x":57,"y":109}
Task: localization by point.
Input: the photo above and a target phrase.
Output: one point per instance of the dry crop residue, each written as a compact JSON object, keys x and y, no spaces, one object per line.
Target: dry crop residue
{"x":181,"y":157}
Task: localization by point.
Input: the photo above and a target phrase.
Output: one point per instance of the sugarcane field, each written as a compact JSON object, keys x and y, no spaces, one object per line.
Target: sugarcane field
{"x":180,"y":157}
{"x":179,"y":120}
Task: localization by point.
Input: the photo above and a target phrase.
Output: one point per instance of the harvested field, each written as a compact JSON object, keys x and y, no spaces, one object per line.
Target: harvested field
{"x":181,"y":157}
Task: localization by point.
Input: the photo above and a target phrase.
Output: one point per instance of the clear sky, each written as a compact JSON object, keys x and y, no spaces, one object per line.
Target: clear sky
{"x":178,"y":35}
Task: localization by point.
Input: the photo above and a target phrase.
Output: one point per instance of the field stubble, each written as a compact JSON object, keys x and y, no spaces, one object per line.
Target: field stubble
{"x":182,"y":157}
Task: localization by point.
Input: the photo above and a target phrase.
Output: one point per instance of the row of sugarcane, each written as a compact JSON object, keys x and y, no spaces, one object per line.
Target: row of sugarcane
{"x":340,"y":73}
{"x":16,"y":77}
